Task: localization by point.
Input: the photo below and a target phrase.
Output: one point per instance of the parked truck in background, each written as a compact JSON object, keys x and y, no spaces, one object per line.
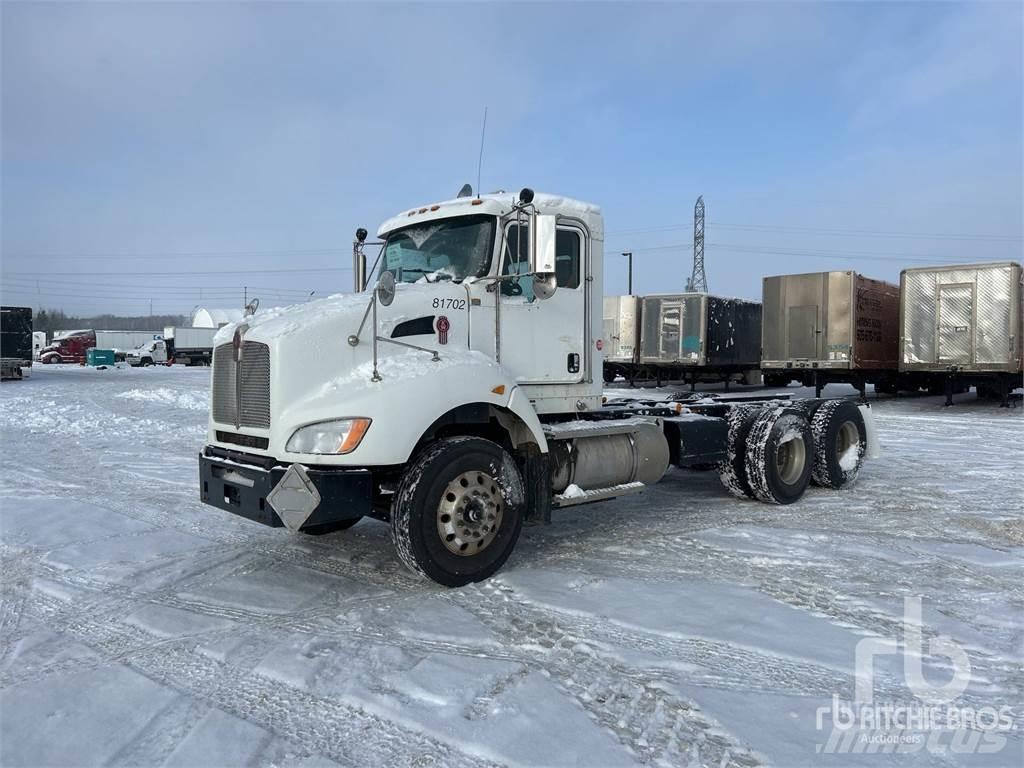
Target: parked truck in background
{"x":153,"y":352}
{"x":190,"y":346}
{"x":187,"y":346}
{"x":462,"y":396}
{"x":15,"y":341}
{"x":71,"y":347}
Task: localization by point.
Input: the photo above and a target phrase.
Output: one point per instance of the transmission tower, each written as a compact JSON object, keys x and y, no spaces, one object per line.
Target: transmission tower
{"x":698,"y":282}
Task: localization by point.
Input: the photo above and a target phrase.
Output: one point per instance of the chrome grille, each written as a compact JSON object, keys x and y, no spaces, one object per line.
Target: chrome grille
{"x":224,"y":395}
{"x":241,"y":391}
{"x":254,"y":390}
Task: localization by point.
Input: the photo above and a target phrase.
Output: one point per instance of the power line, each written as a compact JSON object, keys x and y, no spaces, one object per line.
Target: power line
{"x":837,"y":232}
{"x":816,"y":253}
{"x":864,"y":232}
{"x":184,"y":289}
{"x":181,"y":255}
{"x":190,"y":272}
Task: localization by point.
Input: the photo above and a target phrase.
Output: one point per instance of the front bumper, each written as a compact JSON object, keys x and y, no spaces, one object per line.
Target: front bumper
{"x":240,"y":484}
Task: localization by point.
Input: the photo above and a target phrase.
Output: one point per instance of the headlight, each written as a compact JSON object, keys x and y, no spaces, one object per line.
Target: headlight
{"x":326,"y":437}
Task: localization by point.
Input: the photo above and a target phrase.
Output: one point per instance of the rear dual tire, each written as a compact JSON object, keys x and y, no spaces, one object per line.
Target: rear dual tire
{"x":779,"y":455}
{"x":840,"y":440}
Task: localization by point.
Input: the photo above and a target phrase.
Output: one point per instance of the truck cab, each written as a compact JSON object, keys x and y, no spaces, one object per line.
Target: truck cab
{"x":458,"y":398}
{"x":150,"y":353}
{"x":69,"y":348}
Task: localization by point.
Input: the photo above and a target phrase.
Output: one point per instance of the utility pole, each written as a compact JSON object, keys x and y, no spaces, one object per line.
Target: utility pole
{"x":150,"y":307}
{"x":698,"y":282}
{"x":629,"y":255}
{"x":245,"y":296}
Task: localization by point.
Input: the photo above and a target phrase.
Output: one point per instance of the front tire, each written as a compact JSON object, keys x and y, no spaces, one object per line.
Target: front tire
{"x":458,"y":511}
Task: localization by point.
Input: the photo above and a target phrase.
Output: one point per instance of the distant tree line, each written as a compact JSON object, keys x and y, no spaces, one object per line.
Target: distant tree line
{"x":51,"y":320}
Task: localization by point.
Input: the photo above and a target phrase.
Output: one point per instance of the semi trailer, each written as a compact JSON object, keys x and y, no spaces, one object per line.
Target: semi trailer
{"x":71,"y":346}
{"x":961,"y":326}
{"x":38,"y":343}
{"x":690,"y":337}
{"x":15,"y":341}
{"x":827,"y":327}
{"x":462,"y":396}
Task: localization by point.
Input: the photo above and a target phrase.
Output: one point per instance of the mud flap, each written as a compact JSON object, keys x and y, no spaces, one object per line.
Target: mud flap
{"x":874,"y":447}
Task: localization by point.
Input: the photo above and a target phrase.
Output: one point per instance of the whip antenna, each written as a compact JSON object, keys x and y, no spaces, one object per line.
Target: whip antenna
{"x":480,"y":160}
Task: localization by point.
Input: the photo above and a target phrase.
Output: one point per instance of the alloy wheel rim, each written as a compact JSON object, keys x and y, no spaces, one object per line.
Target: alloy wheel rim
{"x":469,"y":513}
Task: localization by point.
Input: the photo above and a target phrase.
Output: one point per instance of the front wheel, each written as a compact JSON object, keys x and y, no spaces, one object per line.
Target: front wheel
{"x":458,"y":510}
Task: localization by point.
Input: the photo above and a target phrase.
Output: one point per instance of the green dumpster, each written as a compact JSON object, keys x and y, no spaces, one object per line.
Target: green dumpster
{"x":95,"y":356}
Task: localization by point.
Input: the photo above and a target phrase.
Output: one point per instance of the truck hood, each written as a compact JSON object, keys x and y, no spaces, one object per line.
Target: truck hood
{"x":342,"y":313}
{"x":316,"y":374}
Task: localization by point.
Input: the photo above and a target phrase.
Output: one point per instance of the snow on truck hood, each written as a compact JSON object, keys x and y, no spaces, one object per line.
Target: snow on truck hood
{"x":276,"y":322}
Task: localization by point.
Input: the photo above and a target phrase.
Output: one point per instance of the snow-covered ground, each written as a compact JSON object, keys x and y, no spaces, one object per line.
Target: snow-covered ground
{"x":678,"y":627}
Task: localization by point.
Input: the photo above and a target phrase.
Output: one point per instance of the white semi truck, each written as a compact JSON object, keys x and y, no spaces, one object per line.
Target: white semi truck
{"x":462,"y":397}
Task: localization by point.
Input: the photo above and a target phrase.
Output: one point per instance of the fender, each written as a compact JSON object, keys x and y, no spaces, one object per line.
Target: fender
{"x":412,"y":395}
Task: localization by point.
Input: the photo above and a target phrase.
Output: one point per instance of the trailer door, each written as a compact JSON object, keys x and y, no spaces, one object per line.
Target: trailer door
{"x":671,"y":325}
{"x":802,"y":332}
{"x":955,"y":323}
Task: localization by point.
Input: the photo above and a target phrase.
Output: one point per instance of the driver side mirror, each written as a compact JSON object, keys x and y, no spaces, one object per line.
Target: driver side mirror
{"x":542,"y":254}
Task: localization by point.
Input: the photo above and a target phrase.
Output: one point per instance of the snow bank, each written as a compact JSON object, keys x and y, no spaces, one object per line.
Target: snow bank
{"x":189,"y":400}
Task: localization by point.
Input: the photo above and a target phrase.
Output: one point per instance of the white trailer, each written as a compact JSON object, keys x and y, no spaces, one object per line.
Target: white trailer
{"x":124,"y":341}
{"x":462,"y":397}
{"x":38,"y":343}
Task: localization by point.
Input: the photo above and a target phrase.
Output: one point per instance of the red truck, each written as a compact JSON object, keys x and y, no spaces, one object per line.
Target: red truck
{"x":71,"y":347}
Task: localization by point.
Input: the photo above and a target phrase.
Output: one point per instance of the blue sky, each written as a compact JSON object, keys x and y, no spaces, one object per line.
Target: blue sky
{"x":257,"y":137}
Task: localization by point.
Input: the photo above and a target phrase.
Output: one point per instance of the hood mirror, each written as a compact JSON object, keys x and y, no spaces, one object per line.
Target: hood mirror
{"x":386,"y":288}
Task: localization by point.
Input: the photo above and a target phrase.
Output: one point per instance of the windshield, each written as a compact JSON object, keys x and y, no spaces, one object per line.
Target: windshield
{"x":446,"y":249}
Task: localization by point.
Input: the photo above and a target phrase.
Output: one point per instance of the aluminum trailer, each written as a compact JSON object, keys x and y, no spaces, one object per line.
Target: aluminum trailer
{"x":825,"y":327}
{"x":699,"y":337}
{"x":621,"y":336}
{"x":961,"y":326}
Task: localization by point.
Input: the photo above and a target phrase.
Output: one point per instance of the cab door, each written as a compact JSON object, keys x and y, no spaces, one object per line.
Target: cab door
{"x":543,"y":341}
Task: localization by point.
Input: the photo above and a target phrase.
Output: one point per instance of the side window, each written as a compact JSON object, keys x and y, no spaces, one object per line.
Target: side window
{"x":516,"y":260}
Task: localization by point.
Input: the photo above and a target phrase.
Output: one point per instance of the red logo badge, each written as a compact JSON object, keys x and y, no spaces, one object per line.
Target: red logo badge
{"x":442,"y":326}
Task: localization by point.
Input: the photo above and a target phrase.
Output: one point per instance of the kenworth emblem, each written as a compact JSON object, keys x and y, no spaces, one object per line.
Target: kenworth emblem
{"x":442,"y":329}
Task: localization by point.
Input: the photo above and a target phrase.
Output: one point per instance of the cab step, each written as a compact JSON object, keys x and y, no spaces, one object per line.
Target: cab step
{"x":597,"y":494}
